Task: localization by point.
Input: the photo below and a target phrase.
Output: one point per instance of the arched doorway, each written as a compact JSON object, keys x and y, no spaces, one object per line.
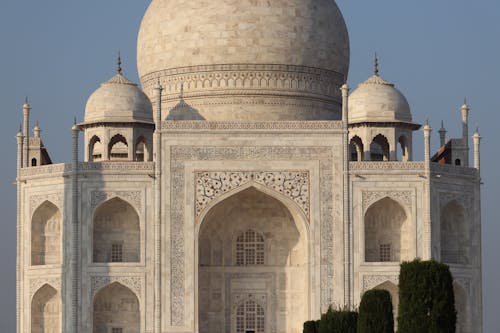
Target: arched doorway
{"x":393,"y":290}
{"x":46,"y":235}
{"x":253,"y":266}
{"x":116,"y":310}
{"x":454,"y":234}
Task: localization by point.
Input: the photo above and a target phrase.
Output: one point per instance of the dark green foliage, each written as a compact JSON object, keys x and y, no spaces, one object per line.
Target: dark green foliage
{"x":310,"y":327}
{"x":375,"y":312}
{"x":426,"y":299}
{"x":338,"y":321}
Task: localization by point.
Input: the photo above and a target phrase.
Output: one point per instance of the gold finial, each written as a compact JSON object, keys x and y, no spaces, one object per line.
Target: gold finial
{"x":119,"y":62}
{"x":376,"y":64}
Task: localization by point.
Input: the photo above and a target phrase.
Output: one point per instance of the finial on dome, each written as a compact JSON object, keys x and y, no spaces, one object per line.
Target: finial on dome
{"x":119,"y":62}
{"x":376,"y":64}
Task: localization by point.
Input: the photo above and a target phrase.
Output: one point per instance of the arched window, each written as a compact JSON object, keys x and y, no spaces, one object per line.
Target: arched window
{"x":250,"y":249}
{"x":454,"y":234}
{"x":116,"y":309}
{"x":403,"y":143}
{"x":250,"y":317}
{"x":386,"y":232}
{"x":141,"y":150}
{"x":118,"y":148}
{"x":46,"y":311}
{"x":458,"y":162}
{"x":95,"y":149}
{"x":357,"y":149}
{"x":33,"y":162}
{"x":46,"y":235}
{"x":379,"y":149}
{"x":116,"y":234}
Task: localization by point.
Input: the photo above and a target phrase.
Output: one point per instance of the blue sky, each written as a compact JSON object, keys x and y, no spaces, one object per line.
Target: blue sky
{"x":436,"y":52}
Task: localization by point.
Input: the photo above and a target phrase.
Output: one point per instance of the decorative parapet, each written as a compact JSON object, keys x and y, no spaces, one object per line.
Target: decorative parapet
{"x":293,"y":184}
{"x":45,"y":170}
{"x":117,"y":166}
{"x":387,"y":166}
{"x":453,"y":170}
{"x":255,"y":126}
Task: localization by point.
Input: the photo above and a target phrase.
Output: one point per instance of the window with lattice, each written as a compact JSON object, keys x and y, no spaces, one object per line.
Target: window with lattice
{"x":116,"y":252}
{"x":250,"y":249}
{"x":385,"y":252}
{"x":117,"y":330}
{"x":250,"y":317}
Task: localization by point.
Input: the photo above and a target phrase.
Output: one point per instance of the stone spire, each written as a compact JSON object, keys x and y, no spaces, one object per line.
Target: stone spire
{"x":427,"y":142}
{"x":36,"y":130}
{"x":465,"y":122}
{"x":119,"y":63}
{"x":442,"y":134}
{"x":476,"y":138}
{"x":26,"y":124}
{"x":376,"y":71}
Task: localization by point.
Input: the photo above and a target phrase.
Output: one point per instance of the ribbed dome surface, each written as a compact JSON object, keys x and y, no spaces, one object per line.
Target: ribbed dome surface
{"x":118,"y":100}
{"x":377,"y":100}
{"x":256,"y":50}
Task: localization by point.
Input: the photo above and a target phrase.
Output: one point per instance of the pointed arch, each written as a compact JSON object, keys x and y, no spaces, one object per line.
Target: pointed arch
{"x":118,"y":148}
{"x":454,"y":234}
{"x":46,"y":235}
{"x":379,"y":148}
{"x":46,"y":310}
{"x":95,"y":149}
{"x":463,"y":309}
{"x":357,"y":148}
{"x":116,"y":234}
{"x":142,"y":150}
{"x":250,"y":316}
{"x":116,"y":307}
{"x":386,"y":232}
{"x":394,"y":291}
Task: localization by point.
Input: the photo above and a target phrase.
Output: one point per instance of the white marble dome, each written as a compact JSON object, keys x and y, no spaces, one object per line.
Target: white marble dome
{"x":377,"y":100}
{"x":118,"y":100}
{"x":241,"y":59}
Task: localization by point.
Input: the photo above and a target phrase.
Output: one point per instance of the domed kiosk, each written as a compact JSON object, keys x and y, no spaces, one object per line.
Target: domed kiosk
{"x":246,"y":60}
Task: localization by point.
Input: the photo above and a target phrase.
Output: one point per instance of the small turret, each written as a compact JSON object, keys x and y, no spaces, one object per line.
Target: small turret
{"x":36,"y":131}
{"x":26,"y":124}
{"x":442,"y":135}
{"x":476,"y":138}
{"x":427,"y":142}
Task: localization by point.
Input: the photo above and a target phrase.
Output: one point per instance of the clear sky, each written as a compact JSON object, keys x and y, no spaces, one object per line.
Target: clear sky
{"x":436,"y":52}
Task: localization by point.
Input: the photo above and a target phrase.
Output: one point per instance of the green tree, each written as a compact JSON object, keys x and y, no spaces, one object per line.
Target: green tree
{"x":426,"y":299}
{"x":310,"y":327}
{"x":338,"y":321}
{"x":375,"y":312}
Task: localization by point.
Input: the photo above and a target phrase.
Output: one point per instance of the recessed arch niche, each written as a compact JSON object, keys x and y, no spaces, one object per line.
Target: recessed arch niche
{"x":46,"y":235}
{"x":116,"y":234}
{"x":454,"y":234}
{"x":46,"y":310}
{"x":387,"y":232}
{"x":116,"y":307}
{"x":462,"y":308}
{"x":251,"y":217}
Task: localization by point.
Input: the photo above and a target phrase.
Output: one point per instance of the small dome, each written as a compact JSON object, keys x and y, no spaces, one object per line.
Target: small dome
{"x":118,"y":100}
{"x":377,"y":100}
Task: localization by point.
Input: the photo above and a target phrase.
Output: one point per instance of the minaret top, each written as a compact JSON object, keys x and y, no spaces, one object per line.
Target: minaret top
{"x":376,"y":71}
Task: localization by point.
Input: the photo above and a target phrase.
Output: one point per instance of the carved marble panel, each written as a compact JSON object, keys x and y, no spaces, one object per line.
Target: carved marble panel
{"x":371,"y":281}
{"x":134,"y":283}
{"x":37,"y":283}
{"x":293,"y":184}
{"x":133,"y":197}
{"x":403,"y":197}
{"x":37,"y":200}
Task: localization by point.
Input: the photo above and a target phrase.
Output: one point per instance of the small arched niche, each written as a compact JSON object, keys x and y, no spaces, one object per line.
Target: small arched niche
{"x":141,"y":150}
{"x":46,"y":311}
{"x":357,"y":149}
{"x":455,"y":245}
{"x":379,"y":149}
{"x":96,"y":150}
{"x":387,"y":234}
{"x":118,"y":148}
{"x":462,"y":308}
{"x":46,"y":235}
{"x":394,"y":291}
{"x":116,"y":309}
{"x":116,"y":233}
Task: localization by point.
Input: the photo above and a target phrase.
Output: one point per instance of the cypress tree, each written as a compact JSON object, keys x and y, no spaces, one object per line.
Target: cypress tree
{"x":426,"y":299}
{"x":375,"y":312}
{"x":338,"y":321}
{"x":310,"y":327}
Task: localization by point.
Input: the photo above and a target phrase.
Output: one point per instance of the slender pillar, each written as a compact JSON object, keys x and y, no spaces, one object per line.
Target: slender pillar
{"x":427,"y":144}
{"x":347,"y":221}
{"x":75,"y":257}
{"x":476,"y":138}
{"x":157,"y":213}
{"x":442,"y":135}
{"x":19,"y":227}
{"x":465,"y":131}
{"x":26,"y":125}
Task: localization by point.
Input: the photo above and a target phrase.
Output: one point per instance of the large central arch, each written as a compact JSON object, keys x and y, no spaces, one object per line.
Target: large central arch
{"x":253,"y":249}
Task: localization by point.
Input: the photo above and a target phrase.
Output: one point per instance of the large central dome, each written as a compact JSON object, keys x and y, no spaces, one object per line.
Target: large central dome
{"x":246,"y":59}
